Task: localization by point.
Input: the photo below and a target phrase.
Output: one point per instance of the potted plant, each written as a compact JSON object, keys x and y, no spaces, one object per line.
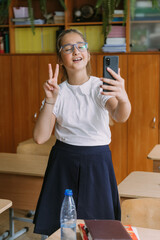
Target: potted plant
{"x":108,"y":7}
{"x":4,"y":4}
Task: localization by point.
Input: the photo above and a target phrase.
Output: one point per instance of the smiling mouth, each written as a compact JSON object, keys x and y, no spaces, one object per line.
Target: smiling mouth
{"x":77,"y":59}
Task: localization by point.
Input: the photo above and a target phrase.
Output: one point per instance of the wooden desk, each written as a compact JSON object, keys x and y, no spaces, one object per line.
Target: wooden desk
{"x":155,"y":156}
{"x":4,"y":205}
{"x":140,"y":184}
{"x":144,"y":234}
{"x":21,"y":178}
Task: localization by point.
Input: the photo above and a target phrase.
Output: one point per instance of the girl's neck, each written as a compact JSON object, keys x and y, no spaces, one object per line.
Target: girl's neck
{"x":78,"y":78}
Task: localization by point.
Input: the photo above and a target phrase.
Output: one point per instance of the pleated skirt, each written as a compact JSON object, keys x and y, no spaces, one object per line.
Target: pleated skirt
{"x":88,"y":171}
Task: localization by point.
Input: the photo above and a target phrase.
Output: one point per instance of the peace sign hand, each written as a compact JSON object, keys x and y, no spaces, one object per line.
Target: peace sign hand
{"x":51,"y":87}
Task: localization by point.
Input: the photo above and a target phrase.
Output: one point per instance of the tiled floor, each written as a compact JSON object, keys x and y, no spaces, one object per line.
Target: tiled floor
{"x":4,"y":225}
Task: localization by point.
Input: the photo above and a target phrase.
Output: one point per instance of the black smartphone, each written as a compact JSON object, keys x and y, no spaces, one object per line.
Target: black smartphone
{"x":111,"y":62}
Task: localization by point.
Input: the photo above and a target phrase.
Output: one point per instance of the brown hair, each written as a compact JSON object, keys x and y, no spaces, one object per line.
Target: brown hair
{"x":58,"y":46}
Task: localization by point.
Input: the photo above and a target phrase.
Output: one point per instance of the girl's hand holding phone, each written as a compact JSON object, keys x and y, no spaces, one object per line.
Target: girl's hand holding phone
{"x":51,"y":87}
{"x":116,"y":87}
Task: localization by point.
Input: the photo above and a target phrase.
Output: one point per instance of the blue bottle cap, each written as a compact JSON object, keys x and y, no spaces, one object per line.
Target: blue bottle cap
{"x":68,"y":192}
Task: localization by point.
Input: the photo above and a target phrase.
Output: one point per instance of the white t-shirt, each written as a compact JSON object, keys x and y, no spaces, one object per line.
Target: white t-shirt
{"x":81,"y":115}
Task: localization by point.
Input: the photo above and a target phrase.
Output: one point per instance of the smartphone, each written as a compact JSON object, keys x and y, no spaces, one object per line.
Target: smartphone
{"x":112,"y":62}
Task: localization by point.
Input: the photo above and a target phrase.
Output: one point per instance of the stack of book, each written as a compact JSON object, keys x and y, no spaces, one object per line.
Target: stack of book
{"x":116,"y":40}
{"x":106,"y":230}
{"x":118,"y":15}
{"x":21,"y":17}
{"x":142,"y":14}
{"x":58,"y":17}
{"x":145,"y":11}
{"x":26,"y":21}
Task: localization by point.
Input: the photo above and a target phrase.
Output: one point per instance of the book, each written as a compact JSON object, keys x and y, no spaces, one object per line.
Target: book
{"x":114,"y":48}
{"x":6,"y":41}
{"x":83,"y":231}
{"x":26,"y":21}
{"x":132,"y":232}
{"x":117,"y":31}
{"x":106,"y":230}
{"x":119,"y":11}
{"x":58,"y":19}
{"x":114,"y":41}
{"x":1,"y":44}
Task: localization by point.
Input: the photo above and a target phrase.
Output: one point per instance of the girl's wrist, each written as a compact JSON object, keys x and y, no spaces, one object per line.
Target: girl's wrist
{"x":50,"y":101}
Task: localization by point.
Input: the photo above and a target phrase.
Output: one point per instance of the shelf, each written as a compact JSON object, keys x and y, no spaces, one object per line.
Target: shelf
{"x":4,"y":26}
{"x":39,"y":25}
{"x":84,"y":23}
{"x":90,"y":23}
{"x":146,"y":21}
{"x":20,"y":35}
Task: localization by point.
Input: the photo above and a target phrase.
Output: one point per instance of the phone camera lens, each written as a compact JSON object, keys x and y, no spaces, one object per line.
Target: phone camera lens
{"x":107,"y":61}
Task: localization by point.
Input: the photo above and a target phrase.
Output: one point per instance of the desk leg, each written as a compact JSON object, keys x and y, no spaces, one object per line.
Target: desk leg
{"x":14,"y":235}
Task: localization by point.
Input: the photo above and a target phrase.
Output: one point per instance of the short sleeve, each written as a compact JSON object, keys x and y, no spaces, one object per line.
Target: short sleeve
{"x":101,"y":99}
{"x":55,"y":108}
{"x":56,"y":105}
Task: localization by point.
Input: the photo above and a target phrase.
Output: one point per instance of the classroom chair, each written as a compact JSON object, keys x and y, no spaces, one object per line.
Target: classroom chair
{"x":30,"y":147}
{"x":142,"y":212}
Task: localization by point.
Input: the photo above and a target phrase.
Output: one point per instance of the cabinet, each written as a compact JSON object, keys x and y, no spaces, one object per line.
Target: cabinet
{"x":21,"y":94}
{"x":145,"y":27}
{"x":143,"y":90}
{"x":6,"y":105}
{"x":25,"y":96}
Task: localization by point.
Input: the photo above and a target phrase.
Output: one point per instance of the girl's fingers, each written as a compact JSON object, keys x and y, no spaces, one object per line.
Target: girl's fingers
{"x":110,"y":81}
{"x":112,"y":72}
{"x":50,"y":71}
{"x":56,"y":71}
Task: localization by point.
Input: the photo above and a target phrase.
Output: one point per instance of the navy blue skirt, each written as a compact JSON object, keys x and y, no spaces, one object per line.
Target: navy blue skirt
{"x":89,"y":172}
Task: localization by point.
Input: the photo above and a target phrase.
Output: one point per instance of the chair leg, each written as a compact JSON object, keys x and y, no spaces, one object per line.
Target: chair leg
{"x":30,"y":214}
{"x":43,"y":237}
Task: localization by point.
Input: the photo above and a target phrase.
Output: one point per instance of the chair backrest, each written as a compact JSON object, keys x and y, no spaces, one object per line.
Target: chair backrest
{"x":30,"y":147}
{"x":143,"y":212}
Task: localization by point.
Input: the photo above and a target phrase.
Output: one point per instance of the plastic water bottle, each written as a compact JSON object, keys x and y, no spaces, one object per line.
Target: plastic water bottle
{"x":68,"y":217}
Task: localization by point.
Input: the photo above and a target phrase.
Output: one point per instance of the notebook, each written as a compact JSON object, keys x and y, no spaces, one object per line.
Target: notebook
{"x":106,"y":230}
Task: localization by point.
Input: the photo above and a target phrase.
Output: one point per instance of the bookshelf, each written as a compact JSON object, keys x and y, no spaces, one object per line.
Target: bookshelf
{"x":46,"y":33}
{"x":23,"y":33}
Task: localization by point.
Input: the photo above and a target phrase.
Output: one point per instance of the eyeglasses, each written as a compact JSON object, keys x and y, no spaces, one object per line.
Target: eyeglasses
{"x":69,"y":48}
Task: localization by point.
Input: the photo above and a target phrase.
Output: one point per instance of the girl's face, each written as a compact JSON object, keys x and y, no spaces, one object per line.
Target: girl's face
{"x":76,"y":60}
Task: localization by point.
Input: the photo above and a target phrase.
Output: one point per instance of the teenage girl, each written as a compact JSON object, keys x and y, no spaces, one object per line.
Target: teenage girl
{"x":79,"y":109}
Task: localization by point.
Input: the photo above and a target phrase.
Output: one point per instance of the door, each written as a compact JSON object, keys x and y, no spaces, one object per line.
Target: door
{"x":143,"y":89}
{"x":6,"y":117}
{"x":25,"y":88}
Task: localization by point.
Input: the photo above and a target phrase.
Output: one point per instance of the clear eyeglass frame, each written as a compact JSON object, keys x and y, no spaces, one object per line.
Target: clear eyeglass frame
{"x":69,"y":48}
